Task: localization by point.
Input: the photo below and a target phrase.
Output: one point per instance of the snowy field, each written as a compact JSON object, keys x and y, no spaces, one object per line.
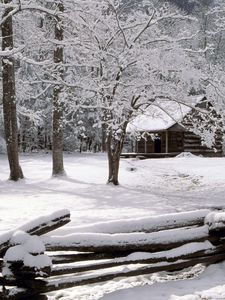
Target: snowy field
{"x":148,"y":188}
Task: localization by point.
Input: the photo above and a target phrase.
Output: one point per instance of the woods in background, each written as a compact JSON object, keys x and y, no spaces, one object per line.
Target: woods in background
{"x":75,"y":73}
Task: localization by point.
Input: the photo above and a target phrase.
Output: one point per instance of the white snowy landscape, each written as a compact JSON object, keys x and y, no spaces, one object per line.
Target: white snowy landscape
{"x":148,"y":188}
{"x":112,"y":149}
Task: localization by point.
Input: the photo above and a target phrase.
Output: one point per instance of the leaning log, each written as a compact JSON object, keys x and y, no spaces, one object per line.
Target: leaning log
{"x":38,"y":226}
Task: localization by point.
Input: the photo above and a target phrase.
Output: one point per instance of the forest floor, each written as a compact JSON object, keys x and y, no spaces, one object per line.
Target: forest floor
{"x":148,"y":187}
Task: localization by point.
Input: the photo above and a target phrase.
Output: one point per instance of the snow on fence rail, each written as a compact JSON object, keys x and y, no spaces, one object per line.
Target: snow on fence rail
{"x":148,"y":224}
{"x":38,"y":226}
{"x":166,"y":243}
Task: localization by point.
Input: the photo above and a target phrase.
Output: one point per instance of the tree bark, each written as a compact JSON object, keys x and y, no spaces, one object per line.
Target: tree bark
{"x":9,"y":99}
{"x":114,"y":146}
{"x":57,"y":126}
{"x":103,"y":138}
{"x":113,"y":154}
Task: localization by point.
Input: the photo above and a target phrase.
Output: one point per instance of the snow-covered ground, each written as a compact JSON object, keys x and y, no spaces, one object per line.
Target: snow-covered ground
{"x":148,"y":188}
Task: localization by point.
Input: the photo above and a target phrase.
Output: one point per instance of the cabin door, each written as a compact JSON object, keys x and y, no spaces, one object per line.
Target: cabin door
{"x":157,"y":145}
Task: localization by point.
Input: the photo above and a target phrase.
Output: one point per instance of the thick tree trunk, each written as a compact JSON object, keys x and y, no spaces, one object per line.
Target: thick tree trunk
{"x":57,"y":137}
{"x":113,"y":165}
{"x":114,"y":149}
{"x":9,"y":99}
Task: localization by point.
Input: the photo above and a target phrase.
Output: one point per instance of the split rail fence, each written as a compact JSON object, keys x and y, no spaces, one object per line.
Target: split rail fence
{"x":34,"y":263}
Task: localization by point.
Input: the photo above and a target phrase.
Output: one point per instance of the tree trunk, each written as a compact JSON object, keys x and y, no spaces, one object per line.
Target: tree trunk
{"x":113,"y":165}
{"x":114,"y":149}
{"x":57,"y":137}
{"x":104,"y":148}
{"x":9,"y":99}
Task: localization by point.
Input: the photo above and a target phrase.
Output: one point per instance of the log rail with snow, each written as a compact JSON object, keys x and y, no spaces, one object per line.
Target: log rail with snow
{"x":105,"y":251}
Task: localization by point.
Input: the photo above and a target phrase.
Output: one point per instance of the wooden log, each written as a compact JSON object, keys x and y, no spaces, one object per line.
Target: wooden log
{"x":39,"y":226}
{"x":32,"y":284}
{"x":132,"y":242}
{"x":147,"y":224}
{"x":45,"y":224}
{"x":71,"y":258}
{"x":182,"y":253}
{"x":68,"y":281}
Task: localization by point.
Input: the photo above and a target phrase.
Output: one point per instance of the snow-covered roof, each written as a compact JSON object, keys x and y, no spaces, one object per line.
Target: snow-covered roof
{"x":162,"y":115}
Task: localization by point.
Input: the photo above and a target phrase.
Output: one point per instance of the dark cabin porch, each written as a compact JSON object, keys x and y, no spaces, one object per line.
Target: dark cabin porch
{"x":163,"y":142}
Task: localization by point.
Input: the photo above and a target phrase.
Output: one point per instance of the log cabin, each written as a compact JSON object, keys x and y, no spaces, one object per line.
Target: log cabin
{"x":167,"y":132}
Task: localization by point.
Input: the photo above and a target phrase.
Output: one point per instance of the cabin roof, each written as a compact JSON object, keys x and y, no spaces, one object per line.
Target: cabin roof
{"x":162,"y":115}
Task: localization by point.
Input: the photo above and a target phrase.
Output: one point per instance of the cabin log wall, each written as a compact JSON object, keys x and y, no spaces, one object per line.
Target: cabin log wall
{"x":193,"y":144}
{"x":178,"y":142}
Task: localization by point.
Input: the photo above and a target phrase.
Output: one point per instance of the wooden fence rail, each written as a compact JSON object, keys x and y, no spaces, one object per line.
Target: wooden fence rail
{"x":143,"y":246}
